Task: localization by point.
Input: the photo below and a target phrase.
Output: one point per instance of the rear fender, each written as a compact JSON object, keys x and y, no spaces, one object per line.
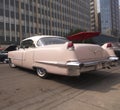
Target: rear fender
{"x":109,"y":51}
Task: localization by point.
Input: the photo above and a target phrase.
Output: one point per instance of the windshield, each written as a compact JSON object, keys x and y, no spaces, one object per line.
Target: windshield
{"x":52,"y":40}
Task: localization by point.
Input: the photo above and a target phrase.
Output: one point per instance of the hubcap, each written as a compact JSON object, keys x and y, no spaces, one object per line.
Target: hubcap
{"x":41,"y":72}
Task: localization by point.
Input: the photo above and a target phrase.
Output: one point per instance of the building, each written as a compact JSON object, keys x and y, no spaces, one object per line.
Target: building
{"x":93,"y":15}
{"x":23,"y":18}
{"x":99,"y":22}
{"x":119,"y":21}
{"x":109,"y":17}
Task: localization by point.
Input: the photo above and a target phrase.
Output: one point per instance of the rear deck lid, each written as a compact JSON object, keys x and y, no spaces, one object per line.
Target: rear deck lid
{"x":89,"y":52}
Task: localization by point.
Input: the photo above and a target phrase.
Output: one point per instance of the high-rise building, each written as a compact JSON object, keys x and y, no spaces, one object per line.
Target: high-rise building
{"x":109,"y":17}
{"x":93,"y":14}
{"x":23,"y":18}
{"x":119,"y":22}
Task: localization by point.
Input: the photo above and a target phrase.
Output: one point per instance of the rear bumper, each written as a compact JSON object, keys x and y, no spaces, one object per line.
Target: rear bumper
{"x":75,"y":68}
{"x":113,"y":58}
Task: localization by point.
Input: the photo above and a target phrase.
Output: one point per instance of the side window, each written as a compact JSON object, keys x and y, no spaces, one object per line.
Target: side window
{"x":27,"y":44}
{"x":31,"y":44}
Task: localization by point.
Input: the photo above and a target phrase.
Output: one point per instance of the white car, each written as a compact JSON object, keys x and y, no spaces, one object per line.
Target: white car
{"x":57,"y":55}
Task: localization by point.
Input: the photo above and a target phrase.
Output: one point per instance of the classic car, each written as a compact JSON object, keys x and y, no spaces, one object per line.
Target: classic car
{"x":115,"y":46}
{"x":4,"y":53}
{"x":57,"y":55}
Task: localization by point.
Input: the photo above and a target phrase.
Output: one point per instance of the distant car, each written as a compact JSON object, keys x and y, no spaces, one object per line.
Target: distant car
{"x":4,"y":53}
{"x":57,"y":55}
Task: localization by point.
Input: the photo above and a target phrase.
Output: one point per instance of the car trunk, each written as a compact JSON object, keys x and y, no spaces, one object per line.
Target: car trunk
{"x":90,"y":52}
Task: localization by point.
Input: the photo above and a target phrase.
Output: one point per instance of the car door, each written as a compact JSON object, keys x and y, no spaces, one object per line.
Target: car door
{"x":28,"y":54}
{"x":17,"y":57}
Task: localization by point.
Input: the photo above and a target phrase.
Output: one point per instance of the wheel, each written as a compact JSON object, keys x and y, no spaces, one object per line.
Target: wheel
{"x":42,"y":73}
{"x":12,"y":65}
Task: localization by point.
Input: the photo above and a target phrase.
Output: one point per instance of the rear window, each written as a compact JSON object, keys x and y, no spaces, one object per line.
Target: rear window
{"x":52,"y":40}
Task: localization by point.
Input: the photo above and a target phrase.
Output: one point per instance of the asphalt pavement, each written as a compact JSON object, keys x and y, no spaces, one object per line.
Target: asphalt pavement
{"x":22,"y":89}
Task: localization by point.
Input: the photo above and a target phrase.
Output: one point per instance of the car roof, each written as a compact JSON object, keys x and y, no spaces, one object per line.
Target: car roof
{"x":37,"y":37}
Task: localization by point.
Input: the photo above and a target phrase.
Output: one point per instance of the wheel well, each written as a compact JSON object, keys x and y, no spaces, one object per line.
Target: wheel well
{"x":34,"y":68}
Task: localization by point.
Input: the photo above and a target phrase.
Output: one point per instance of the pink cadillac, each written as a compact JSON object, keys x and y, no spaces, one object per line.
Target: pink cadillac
{"x":57,"y":55}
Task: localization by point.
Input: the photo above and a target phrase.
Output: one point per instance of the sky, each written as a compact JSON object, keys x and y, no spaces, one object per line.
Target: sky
{"x":98,"y":4}
{"x":119,"y":1}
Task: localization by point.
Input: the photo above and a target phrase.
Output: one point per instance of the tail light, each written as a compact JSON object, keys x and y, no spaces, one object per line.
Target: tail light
{"x":109,"y":45}
{"x":70,"y":46}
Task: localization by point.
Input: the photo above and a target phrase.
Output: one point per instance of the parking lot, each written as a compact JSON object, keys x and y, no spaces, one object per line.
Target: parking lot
{"x":22,"y":89}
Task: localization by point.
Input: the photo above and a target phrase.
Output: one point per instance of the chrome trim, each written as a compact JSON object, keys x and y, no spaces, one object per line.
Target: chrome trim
{"x":52,"y":63}
{"x":113,"y":61}
{"x":113,"y":58}
{"x":73,"y":63}
{"x":77,"y":64}
{"x":74,"y":68}
{"x":92,"y":63}
{"x":62,"y":64}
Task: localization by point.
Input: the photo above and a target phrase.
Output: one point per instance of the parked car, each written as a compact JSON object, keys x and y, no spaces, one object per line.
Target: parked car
{"x":4,"y":53}
{"x":57,"y":55}
{"x":115,"y":46}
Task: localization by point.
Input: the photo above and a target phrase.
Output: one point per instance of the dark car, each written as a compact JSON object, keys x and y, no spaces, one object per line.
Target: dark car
{"x":4,"y":53}
{"x":116,"y":48}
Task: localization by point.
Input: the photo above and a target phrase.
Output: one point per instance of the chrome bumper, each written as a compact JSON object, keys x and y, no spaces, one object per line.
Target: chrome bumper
{"x":75,"y":67}
{"x":113,"y":58}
